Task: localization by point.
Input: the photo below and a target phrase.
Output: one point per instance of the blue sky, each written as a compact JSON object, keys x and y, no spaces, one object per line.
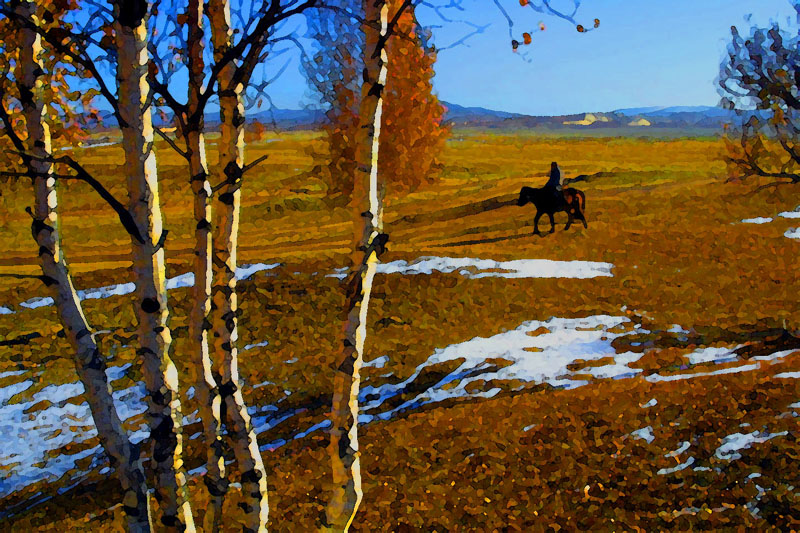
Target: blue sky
{"x":645,"y":53}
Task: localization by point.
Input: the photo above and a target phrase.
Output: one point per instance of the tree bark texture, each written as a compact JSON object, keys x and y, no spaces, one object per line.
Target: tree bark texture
{"x":160,"y":373}
{"x":368,"y":243}
{"x":89,"y":362}
{"x":224,"y":305}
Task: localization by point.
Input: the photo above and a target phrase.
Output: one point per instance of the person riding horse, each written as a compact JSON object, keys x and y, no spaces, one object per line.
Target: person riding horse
{"x":552,"y":199}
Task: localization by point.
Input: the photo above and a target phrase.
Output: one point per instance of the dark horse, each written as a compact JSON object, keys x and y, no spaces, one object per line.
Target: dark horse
{"x":574,"y":203}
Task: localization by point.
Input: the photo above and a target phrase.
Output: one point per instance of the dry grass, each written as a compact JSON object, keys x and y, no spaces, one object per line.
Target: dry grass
{"x":658,"y":210}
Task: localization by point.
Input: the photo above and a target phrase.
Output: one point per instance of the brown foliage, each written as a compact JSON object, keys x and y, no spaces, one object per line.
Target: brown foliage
{"x":413,"y":133}
{"x":412,"y":114}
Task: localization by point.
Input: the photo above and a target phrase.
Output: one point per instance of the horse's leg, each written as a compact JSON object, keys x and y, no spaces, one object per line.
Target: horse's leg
{"x":581,"y":207}
{"x":536,"y":223}
{"x":569,"y":220}
{"x":552,"y":223}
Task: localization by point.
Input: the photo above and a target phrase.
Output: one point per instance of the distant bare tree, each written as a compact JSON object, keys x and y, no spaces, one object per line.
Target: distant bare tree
{"x":759,"y":81}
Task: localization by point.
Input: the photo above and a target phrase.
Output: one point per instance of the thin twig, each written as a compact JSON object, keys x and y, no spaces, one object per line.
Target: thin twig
{"x":255,"y":163}
{"x":172,"y":143}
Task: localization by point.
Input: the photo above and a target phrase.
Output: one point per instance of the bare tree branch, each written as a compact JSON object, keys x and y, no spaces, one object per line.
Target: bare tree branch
{"x":71,"y":45}
{"x":255,"y":163}
{"x":172,"y":143}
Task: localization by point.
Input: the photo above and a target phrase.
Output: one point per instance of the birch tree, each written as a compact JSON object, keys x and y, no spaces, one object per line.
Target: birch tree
{"x":215,"y":308}
{"x":190,"y":119}
{"x":205,"y":384}
{"x":224,"y":298}
{"x":127,"y":37}
{"x":161,"y":376}
{"x":34,"y":148}
{"x":369,"y":243}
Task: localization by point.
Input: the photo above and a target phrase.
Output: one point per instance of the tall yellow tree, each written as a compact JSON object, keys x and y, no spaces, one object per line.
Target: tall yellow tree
{"x":413,"y":117}
{"x":413,"y":129}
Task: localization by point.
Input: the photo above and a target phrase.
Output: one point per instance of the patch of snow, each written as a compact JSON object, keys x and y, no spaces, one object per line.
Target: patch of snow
{"x":652,"y":403}
{"x":37,"y":302}
{"x":12,"y":373}
{"x":676,"y":328}
{"x":739,"y":441}
{"x":256,"y":345}
{"x":121,"y":289}
{"x":488,"y":268}
{"x":788,"y":375}
{"x":9,"y":391}
{"x":465,"y":266}
{"x":380,"y":362}
{"x":682,"y":448}
{"x":790,"y":214}
{"x":5,"y":310}
{"x":541,"y":358}
{"x":245,"y":271}
{"x":339,"y":273}
{"x":184,"y":280}
{"x":757,"y":220}
{"x":655,"y":378}
{"x":97,"y":145}
{"x":713,"y":355}
{"x":645,"y":433}
{"x":792,"y":233}
{"x":777,"y":356}
{"x":667,"y":471}
{"x":316,"y":427}
{"x":528,"y":428}
{"x":35,"y":432}
{"x":266,"y":423}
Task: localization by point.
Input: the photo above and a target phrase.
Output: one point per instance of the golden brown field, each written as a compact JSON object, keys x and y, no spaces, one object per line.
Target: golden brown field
{"x":654,"y":447}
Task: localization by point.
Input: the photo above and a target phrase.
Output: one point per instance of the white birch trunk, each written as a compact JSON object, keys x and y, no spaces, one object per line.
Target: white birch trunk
{"x":368,"y":243}
{"x":207,"y":395}
{"x":160,"y":374}
{"x":89,"y":363}
{"x":224,"y":301}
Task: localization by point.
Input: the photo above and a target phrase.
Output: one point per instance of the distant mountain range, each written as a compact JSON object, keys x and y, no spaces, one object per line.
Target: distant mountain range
{"x":642,"y":117}
{"x":676,"y":117}
{"x":667,"y":111}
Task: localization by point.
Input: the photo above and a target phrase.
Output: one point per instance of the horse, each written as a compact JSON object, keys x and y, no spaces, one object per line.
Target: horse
{"x":574,"y":203}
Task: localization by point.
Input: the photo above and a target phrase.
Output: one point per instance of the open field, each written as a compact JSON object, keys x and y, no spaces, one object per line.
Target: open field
{"x":657,"y":393}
